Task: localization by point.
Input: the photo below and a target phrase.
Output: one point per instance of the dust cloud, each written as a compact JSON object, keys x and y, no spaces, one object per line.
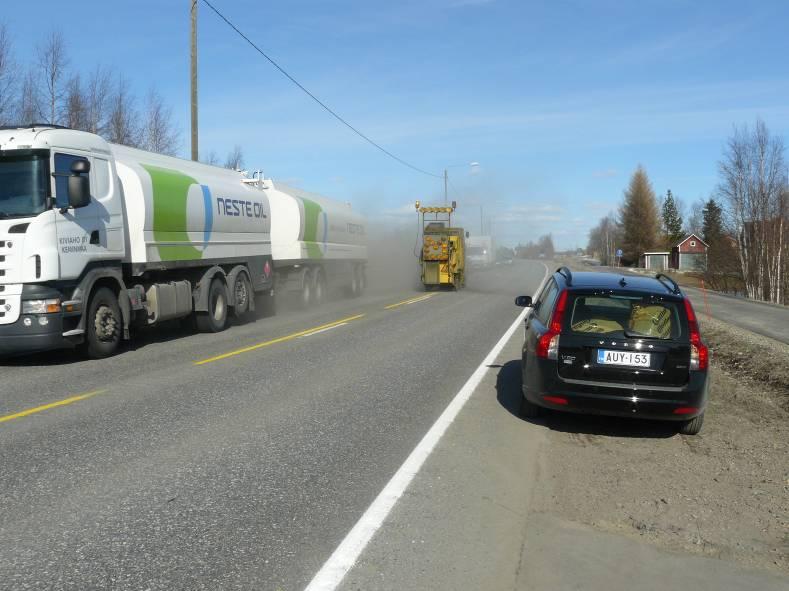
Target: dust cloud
{"x":392,"y":263}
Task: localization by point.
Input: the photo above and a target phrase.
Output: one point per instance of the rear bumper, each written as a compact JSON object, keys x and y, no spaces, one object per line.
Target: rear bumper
{"x":18,"y":339}
{"x":622,"y":400}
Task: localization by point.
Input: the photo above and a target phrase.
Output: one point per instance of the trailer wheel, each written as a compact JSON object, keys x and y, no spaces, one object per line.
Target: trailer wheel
{"x":318,"y":288}
{"x":305,"y":295}
{"x":242,"y":293}
{"x":215,"y":319}
{"x":265,"y":305}
{"x":103,"y":324}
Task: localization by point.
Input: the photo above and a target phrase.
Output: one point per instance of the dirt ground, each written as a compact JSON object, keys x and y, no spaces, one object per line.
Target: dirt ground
{"x":723,"y":493}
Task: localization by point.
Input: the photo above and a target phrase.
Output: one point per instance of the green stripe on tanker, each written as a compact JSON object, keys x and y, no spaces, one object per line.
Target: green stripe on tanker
{"x":312,"y":212}
{"x":170,"y":193}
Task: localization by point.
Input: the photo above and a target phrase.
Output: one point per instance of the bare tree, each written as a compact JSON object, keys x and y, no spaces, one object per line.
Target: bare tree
{"x":29,"y":108}
{"x":158,"y":134}
{"x":753,"y":185}
{"x":52,"y":61}
{"x":605,"y":239}
{"x":235,"y":159}
{"x":75,"y":105}
{"x":694,"y":222}
{"x":97,"y":97}
{"x":211,"y":158}
{"x":121,"y":124}
{"x":8,"y":77}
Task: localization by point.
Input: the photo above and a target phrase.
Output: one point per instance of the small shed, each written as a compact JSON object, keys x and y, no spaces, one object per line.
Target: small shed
{"x":655,"y":261}
{"x":691,"y":254}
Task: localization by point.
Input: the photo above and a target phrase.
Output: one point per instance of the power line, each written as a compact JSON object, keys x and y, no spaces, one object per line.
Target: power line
{"x":315,"y":98}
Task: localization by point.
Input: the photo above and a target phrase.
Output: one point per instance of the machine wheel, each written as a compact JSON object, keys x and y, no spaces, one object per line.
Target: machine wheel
{"x":693,"y":426}
{"x":103,"y":324}
{"x":215,"y":319}
{"x":242,"y":293}
{"x":318,"y":287}
{"x":528,"y":410}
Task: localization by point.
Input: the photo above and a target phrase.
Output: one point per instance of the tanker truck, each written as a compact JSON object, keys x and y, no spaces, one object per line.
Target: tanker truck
{"x":97,"y":239}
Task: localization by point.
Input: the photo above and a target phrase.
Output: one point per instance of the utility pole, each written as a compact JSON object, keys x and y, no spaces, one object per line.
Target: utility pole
{"x":195,"y":150}
{"x":445,"y":186}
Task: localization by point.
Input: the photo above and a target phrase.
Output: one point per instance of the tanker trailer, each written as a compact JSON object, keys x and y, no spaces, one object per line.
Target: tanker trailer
{"x":317,"y":244}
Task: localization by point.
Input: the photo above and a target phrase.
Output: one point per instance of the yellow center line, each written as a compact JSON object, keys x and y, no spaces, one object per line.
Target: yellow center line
{"x":278,"y":340}
{"x":44,"y":407}
{"x":410,"y":301}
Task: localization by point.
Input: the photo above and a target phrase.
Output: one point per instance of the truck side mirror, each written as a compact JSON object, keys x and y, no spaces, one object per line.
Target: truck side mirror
{"x":523,"y":301}
{"x":79,"y":184}
{"x":466,"y":234}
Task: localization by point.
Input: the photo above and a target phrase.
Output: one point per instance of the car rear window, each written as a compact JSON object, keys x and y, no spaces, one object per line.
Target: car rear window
{"x":625,"y":316}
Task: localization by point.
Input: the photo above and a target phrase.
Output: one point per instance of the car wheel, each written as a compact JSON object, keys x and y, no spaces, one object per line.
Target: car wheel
{"x":693,"y":426}
{"x":528,"y":410}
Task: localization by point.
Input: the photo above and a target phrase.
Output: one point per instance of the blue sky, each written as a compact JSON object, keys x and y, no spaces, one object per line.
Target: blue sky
{"x":557,"y":101}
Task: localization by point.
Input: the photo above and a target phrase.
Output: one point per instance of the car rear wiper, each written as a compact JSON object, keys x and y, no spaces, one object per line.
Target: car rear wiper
{"x":638,"y":335}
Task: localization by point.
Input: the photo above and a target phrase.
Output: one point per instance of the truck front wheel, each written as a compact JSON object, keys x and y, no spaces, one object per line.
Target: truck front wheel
{"x":103,"y":324}
{"x":215,"y":319}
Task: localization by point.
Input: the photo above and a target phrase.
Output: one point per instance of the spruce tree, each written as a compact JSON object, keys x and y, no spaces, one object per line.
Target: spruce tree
{"x":639,"y":218}
{"x":712,"y":225}
{"x":672,"y":221}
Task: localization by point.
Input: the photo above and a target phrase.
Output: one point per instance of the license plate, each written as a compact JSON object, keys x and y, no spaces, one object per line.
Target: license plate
{"x":606,"y":357}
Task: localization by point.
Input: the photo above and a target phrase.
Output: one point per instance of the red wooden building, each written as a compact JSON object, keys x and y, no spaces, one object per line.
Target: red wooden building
{"x":690,"y":254}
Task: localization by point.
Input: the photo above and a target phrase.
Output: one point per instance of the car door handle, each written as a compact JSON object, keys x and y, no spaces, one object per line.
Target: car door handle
{"x":94,"y":237}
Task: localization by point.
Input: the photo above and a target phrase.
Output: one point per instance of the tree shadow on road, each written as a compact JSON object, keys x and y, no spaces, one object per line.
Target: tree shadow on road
{"x":508,"y":393}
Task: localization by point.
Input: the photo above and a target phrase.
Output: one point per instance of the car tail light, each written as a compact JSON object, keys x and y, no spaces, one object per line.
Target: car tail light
{"x":699,"y":353}
{"x":548,"y":344}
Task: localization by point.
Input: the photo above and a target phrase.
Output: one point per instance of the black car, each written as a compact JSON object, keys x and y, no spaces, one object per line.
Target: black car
{"x":603,"y":343}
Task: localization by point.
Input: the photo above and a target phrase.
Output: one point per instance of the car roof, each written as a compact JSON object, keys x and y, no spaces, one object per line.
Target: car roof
{"x":593,"y":280}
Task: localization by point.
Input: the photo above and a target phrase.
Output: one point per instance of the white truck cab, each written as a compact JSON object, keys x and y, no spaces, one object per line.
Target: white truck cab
{"x":61,"y":215}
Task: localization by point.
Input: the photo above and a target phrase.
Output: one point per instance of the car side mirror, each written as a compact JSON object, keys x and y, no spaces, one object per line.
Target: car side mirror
{"x":523,"y":301}
{"x":79,"y":184}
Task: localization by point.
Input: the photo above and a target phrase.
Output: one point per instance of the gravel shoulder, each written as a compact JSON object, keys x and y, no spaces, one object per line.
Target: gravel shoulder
{"x":722,"y":494}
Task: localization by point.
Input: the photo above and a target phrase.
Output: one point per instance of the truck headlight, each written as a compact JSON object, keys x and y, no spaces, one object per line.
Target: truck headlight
{"x":40,"y":306}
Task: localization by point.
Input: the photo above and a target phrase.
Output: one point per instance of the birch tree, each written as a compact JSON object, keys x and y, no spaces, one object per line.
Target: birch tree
{"x":52,"y":62}
{"x":753,"y":185}
{"x":158,"y":132}
{"x":8,"y":77}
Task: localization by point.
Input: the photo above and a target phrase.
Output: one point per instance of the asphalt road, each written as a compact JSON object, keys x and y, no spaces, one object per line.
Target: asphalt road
{"x":766,"y":319}
{"x":246,"y":471}
{"x":481,"y":513}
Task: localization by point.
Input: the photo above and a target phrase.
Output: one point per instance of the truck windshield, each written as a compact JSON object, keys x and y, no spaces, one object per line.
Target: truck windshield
{"x":24,"y":184}
{"x":476,"y":250}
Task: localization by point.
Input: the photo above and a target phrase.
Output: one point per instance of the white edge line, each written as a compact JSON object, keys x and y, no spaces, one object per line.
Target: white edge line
{"x":331,"y":574}
{"x":320,"y":330}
